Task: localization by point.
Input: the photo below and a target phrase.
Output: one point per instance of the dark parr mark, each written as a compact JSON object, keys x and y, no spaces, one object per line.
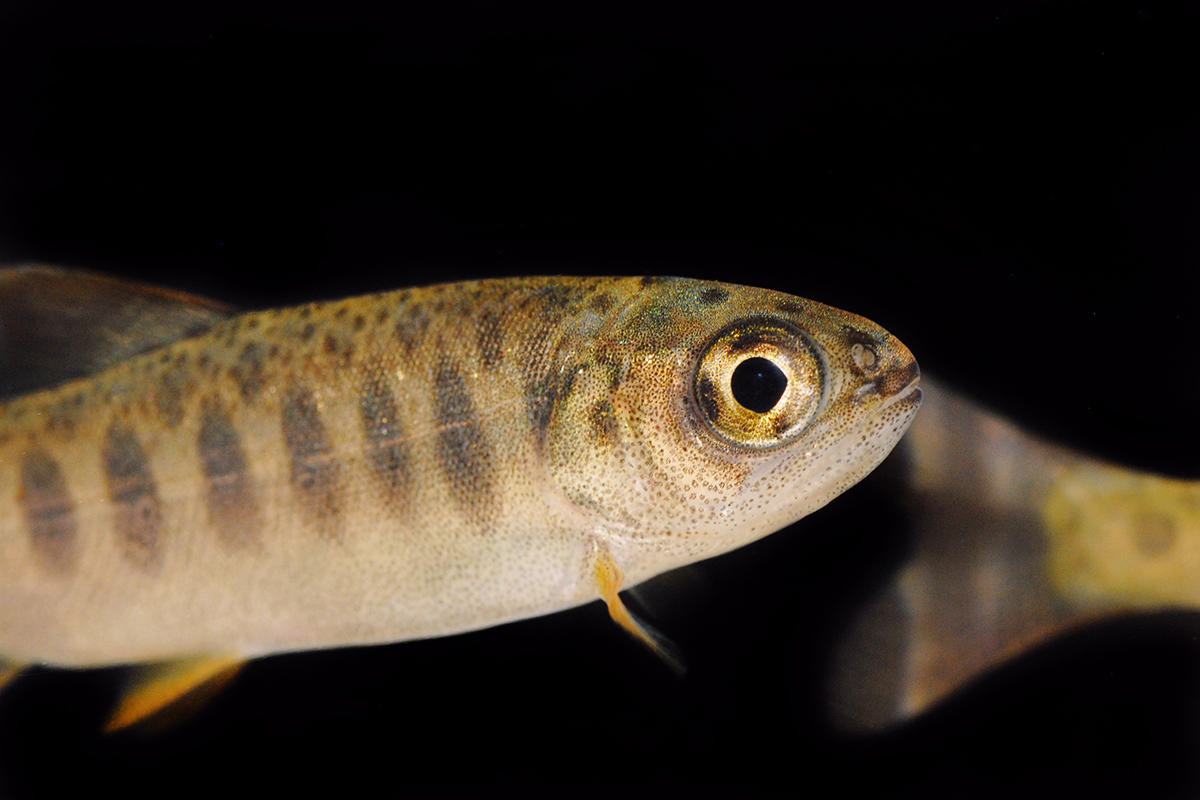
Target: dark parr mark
{"x":49,"y":513}
{"x":462,"y":449}
{"x":232,"y":508}
{"x":137,"y":512}
{"x":543,"y":397}
{"x":315,"y":475}
{"x":386,"y":447}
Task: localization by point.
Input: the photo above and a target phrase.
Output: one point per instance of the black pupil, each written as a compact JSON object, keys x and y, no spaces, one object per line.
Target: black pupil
{"x":757,"y":384}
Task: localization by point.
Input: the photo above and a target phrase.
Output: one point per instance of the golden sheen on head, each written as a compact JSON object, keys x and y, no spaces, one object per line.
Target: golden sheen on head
{"x":718,"y":413}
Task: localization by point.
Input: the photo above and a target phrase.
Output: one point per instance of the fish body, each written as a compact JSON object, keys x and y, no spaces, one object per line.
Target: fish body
{"x":419,"y":462}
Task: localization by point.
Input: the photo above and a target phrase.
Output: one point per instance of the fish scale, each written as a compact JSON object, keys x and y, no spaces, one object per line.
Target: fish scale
{"x":407,"y":464}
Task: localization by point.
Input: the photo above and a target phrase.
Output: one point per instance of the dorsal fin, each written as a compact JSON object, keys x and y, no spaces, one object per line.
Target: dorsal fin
{"x":60,"y":324}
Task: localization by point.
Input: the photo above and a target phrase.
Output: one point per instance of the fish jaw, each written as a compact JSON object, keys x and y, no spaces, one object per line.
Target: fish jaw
{"x":633,"y":445}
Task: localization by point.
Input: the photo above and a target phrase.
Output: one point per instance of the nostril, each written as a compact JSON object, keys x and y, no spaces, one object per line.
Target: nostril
{"x":864,"y":358}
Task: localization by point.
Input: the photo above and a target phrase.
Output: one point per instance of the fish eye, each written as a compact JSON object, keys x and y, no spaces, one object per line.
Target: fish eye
{"x":758,"y":383}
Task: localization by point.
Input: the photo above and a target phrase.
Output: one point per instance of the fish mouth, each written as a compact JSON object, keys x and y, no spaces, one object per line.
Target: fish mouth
{"x":911,"y":392}
{"x":899,"y":386}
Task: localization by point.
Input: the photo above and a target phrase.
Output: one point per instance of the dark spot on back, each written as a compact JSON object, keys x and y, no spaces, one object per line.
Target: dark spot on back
{"x":248,"y":372}
{"x":713,"y":295}
{"x":330,"y":344}
{"x":137,"y":512}
{"x":233,"y":511}
{"x":602,"y":303}
{"x":60,"y":417}
{"x":559,"y":296}
{"x":386,"y":446}
{"x":789,"y":307}
{"x":410,"y":330}
{"x":489,"y":334}
{"x":49,"y":513}
{"x":168,"y":398}
{"x":360,"y":322}
{"x":462,"y":448}
{"x":307,"y":331}
{"x":315,"y":474}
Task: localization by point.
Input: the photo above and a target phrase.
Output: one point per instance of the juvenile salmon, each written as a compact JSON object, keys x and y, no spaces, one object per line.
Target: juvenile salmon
{"x":202,"y":485}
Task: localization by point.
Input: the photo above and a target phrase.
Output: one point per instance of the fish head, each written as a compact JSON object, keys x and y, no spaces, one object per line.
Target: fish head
{"x":709,"y":415}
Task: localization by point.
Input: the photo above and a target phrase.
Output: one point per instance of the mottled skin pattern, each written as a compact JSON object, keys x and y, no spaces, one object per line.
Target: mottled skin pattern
{"x":409,"y":464}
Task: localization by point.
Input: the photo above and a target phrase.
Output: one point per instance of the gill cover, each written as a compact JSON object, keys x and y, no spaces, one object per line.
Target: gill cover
{"x":701,"y":416}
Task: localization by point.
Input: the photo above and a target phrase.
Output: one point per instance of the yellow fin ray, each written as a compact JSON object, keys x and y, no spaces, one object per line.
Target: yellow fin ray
{"x":9,"y":671}
{"x":609,"y":579}
{"x":177,"y":686}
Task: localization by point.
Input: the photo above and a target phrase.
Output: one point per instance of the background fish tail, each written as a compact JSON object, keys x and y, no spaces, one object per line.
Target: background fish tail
{"x":1014,"y":541}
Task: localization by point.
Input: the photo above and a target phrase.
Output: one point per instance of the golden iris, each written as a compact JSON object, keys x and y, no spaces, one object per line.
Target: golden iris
{"x":759,"y":383}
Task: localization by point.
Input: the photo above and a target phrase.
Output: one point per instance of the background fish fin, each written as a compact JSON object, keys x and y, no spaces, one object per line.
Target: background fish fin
{"x":167,"y":693}
{"x":608,"y":582}
{"x":1015,"y":540}
{"x":59,"y":324}
{"x":9,"y":671}
{"x":974,"y":595}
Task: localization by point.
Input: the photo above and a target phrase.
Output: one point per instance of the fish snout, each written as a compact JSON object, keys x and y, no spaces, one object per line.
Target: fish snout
{"x":889,"y":371}
{"x":901,"y":381}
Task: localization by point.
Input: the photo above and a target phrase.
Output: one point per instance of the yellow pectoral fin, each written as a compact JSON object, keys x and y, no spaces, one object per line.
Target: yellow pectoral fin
{"x":175,"y":687}
{"x":8,"y":671}
{"x":609,"y":580}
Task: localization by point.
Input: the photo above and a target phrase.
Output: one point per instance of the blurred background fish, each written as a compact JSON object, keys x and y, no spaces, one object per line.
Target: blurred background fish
{"x":1016,"y":540}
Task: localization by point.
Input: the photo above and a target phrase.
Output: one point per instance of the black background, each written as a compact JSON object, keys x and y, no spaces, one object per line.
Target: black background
{"x":1011,"y":188}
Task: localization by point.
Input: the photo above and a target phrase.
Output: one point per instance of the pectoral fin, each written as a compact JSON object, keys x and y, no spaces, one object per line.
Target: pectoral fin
{"x":9,"y":671}
{"x":609,"y":579}
{"x":172,"y":688}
